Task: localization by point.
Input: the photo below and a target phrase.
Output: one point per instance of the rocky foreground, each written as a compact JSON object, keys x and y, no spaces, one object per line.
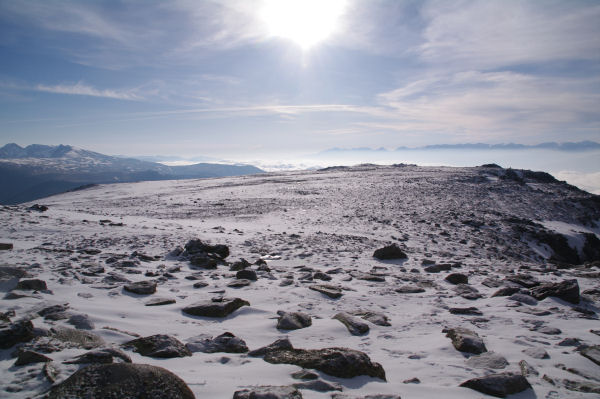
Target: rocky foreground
{"x":364,"y":282}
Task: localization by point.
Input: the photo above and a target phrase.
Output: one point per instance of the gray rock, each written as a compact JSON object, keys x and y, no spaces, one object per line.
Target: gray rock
{"x":409,"y":289}
{"x":246,"y":274}
{"x":337,"y":362}
{"x":280,"y":344}
{"x":467,"y":292}
{"x":389,"y":252}
{"x":81,"y":321}
{"x":457,"y":278}
{"x":466,"y":311}
{"x":31,"y":285}
{"x":567,"y":290}
{"x":329,"y":290}
{"x":498,"y":385}
{"x":321,"y":276}
{"x":159,"y":301}
{"x":120,"y":380}
{"x":380,"y":396}
{"x":101,"y":356}
{"x":353,"y":324}
{"x":141,"y":287}
{"x":216,"y":307}
{"x":268,"y":392}
{"x":12,"y":334}
{"x":226,"y":342}
{"x":159,"y":345}
{"x":506,"y":291}
{"x":549,"y":330}
{"x":304,"y":375}
{"x":293,"y":320}
{"x":379,"y":319}
{"x":25,"y":357}
{"x":527,"y":369}
{"x":570,"y":342}
{"x":592,"y":353}
{"x":488,"y":360}
{"x":465,"y":340}
{"x":526,"y":299}
{"x":239,"y":283}
{"x":318,"y":385}
{"x":536,"y":353}
{"x":582,"y":386}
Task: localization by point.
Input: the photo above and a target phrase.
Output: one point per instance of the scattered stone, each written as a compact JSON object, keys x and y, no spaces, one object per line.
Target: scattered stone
{"x":326,"y":289}
{"x":536,"y":353}
{"x":523,"y":298}
{"x":582,"y":386}
{"x":549,"y":330}
{"x":499,"y":385}
{"x":226,"y":342}
{"x":159,"y":345}
{"x":409,"y":289}
{"x":466,"y":311}
{"x":31,"y":285}
{"x":5,"y":246}
{"x":321,"y":276}
{"x":121,"y":380}
{"x":280,"y":344}
{"x":380,"y":396}
{"x":216,"y":307}
{"x":457,"y":278}
{"x":567,"y":290}
{"x":318,"y":385}
{"x":592,"y":353}
{"x":237,"y":283}
{"x":141,"y":287}
{"x":81,"y":321}
{"x":413,"y":380}
{"x":268,"y":392}
{"x":389,"y":252}
{"x":379,"y":319}
{"x":38,"y":208}
{"x":25,"y":357}
{"x":488,"y":360}
{"x":101,"y":356}
{"x":527,"y":369}
{"x":438,"y":268}
{"x":293,"y":320}
{"x":523,"y":280}
{"x":465,"y":340}
{"x":12,"y":334}
{"x":159,"y":301}
{"x":337,"y":362}
{"x":506,"y":291}
{"x":246,"y":274}
{"x":467,"y":292}
{"x":353,"y":324}
{"x":200,"y":284}
{"x":570,"y":342}
{"x":304,"y":375}
{"x":239,"y":265}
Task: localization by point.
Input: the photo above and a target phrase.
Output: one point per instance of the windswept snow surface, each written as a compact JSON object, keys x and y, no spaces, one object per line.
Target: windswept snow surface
{"x":322,"y":220}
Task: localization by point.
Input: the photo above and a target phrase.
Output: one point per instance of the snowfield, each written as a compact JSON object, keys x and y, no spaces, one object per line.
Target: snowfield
{"x":498,"y":228}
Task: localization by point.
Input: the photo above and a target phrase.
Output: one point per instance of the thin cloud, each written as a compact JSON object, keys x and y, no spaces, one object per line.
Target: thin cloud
{"x":81,"y":89}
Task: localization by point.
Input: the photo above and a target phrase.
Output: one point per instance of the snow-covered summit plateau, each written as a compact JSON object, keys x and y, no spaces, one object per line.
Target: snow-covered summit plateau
{"x":373,"y":281}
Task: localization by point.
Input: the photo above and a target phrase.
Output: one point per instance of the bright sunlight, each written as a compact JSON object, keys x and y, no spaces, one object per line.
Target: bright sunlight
{"x":305,"y":22}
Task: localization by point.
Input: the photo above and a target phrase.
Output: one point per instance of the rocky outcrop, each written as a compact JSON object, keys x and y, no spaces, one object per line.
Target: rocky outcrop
{"x":567,"y":290}
{"x":159,"y":345}
{"x":101,"y":356}
{"x":216,"y":307}
{"x":136,"y":381}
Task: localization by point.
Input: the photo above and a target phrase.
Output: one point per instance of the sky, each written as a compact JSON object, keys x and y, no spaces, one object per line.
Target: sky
{"x":231,"y":77}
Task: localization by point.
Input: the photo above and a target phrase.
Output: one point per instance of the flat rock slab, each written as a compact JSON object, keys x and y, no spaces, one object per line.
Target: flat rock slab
{"x":488,"y":360}
{"x":226,"y":342}
{"x":337,"y":362}
{"x":216,"y":307}
{"x":353,"y":324}
{"x":141,"y":287}
{"x":159,"y":301}
{"x":293,"y":320}
{"x":329,"y":290}
{"x":159,"y":345}
{"x":135,"y":381}
{"x":268,"y":392}
{"x":567,"y":290}
{"x":465,"y":340}
{"x":498,"y":385}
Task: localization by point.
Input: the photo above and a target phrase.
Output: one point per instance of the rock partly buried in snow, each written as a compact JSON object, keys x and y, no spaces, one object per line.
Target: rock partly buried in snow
{"x":139,"y":381}
{"x":318,"y":385}
{"x":592,"y":353}
{"x":12,"y":334}
{"x":280,"y":344}
{"x":380,"y":396}
{"x":465,"y":340}
{"x":457,"y":278}
{"x":159,"y":301}
{"x":409,"y":289}
{"x":216,"y":307}
{"x":567,"y":290}
{"x":379,"y":319}
{"x":101,"y":356}
{"x":25,"y":357}
{"x":293,"y":320}
{"x":81,"y":321}
{"x":141,"y":287}
{"x":353,"y":324}
{"x":337,"y":362}
{"x":498,"y":385}
{"x":246,"y":274}
{"x":268,"y":392}
{"x":506,"y":291}
{"x":389,"y":252}
{"x":467,"y":292}
{"x":76,"y":338}
{"x":226,"y":342}
{"x":31,"y":285}
{"x":536,"y":353}
{"x":470,"y":311}
{"x":523,"y":298}
{"x":488,"y":360}
{"x":159,"y":345}
{"x":330,"y":290}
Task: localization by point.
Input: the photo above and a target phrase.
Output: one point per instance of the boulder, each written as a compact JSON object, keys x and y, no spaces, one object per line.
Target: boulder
{"x":226,"y":342}
{"x":197,"y":247}
{"x":5,"y":246}
{"x":121,"y":380}
{"x":353,"y":324}
{"x":268,"y":392}
{"x":465,"y":340}
{"x":337,"y":362}
{"x":523,"y":298}
{"x":293,"y":320}
{"x":567,"y":290}
{"x":31,"y":285}
{"x":12,"y":334}
{"x":318,"y":385}
{"x":141,"y":287}
{"x":467,"y":292}
{"x":389,"y":252}
{"x":536,"y":353}
{"x":159,"y":345}
{"x":457,"y":278}
{"x":216,"y":307}
{"x":498,"y":385}
{"x":488,"y":360}
{"x":246,"y":274}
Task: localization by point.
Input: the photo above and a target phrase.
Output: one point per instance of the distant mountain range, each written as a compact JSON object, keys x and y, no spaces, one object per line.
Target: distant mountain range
{"x":569,"y":146}
{"x":37,"y":171}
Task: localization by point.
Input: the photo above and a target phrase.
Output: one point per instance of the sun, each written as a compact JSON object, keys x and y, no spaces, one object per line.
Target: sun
{"x":305,"y":22}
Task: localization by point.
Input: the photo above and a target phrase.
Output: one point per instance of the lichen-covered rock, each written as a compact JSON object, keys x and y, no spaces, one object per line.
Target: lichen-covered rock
{"x":389,"y":252}
{"x":159,"y":345}
{"x":216,"y":307}
{"x":338,"y":362}
{"x":465,"y":340}
{"x":353,"y":324}
{"x":498,"y":385}
{"x":293,"y":320}
{"x":567,"y":290}
{"x":268,"y":392}
{"x":124,"y":381}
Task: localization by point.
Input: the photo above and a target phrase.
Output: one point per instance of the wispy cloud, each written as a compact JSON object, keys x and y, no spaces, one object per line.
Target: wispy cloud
{"x":81,"y":89}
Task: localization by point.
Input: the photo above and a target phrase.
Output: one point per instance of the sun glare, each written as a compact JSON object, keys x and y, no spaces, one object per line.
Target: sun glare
{"x":305,"y":22}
